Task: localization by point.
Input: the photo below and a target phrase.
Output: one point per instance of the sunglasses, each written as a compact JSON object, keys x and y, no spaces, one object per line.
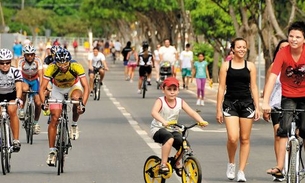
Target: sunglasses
{"x":5,"y":63}
{"x":32,"y":55}
{"x":65,"y":64}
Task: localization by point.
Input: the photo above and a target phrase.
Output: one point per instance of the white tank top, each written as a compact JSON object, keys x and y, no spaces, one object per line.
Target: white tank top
{"x":168,"y":113}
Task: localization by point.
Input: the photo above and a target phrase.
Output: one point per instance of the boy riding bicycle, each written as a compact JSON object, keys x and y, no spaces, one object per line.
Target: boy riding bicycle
{"x":165,"y":109}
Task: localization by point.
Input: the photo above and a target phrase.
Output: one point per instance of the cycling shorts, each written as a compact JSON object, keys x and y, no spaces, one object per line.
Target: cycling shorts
{"x":144,"y":69}
{"x":8,"y":96}
{"x":34,"y":84}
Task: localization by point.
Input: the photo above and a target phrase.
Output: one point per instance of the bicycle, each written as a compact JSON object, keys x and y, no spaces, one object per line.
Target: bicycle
{"x":96,"y":84}
{"x":63,"y":140}
{"x":144,"y":85}
{"x":293,"y":159}
{"x":29,"y":116}
{"x":6,"y":141}
{"x":191,"y":168}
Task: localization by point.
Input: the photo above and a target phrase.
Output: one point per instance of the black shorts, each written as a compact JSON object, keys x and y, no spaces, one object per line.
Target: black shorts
{"x":95,"y":70}
{"x":162,"y":136}
{"x":241,"y":108}
{"x":8,"y":96}
{"x":144,"y":69}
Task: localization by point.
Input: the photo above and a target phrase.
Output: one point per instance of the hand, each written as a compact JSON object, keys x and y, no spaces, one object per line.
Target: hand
{"x":219,"y":117}
{"x":266,"y":116}
{"x":19,"y":102}
{"x":44,"y":106}
{"x":203,"y":123}
{"x":81,"y":109}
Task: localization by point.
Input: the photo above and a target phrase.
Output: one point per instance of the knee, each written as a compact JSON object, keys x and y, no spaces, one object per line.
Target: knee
{"x":233,"y":140}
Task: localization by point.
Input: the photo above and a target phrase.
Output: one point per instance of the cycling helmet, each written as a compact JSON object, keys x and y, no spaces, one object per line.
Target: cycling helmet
{"x":5,"y":54}
{"x":62,"y":56}
{"x":28,"y":49}
{"x":55,"y":48}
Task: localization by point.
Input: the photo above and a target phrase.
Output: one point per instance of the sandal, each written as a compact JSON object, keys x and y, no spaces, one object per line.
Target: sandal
{"x":163,"y":169}
{"x":276,"y":172}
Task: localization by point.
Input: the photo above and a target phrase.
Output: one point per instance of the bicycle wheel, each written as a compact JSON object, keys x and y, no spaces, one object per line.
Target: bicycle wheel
{"x":144,"y":87}
{"x":292,"y":174}
{"x":29,"y":123}
{"x":97,"y":90}
{"x":60,"y":149}
{"x":151,"y":170}
{"x":191,"y":172}
{"x":3,"y":149}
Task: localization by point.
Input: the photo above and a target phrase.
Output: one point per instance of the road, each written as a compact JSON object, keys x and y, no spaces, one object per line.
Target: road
{"x":114,"y":141}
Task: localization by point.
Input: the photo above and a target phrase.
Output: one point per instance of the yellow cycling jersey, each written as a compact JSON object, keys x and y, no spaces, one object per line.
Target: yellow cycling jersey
{"x":64,"y":80}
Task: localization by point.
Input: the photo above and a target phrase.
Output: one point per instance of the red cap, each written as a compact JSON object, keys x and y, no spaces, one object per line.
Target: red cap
{"x":170,"y":81}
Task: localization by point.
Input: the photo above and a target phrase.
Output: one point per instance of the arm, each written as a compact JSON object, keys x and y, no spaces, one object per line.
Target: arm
{"x":43,"y":87}
{"x":155,"y":112}
{"x":191,"y":112}
{"x":221,"y":91}
{"x":254,"y":90}
{"x":105,"y":65}
{"x":90,"y":65}
{"x":207,"y":72}
{"x":85,"y":85}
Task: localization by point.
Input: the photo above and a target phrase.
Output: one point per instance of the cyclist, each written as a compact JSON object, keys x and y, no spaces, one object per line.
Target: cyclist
{"x":68,"y":78}
{"x":165,"y":109}
{"x":289,"y":63}
{"x":146,"y":62}
{"x":31,"y":68}
{"x":97,"y":63}
{"x":11,"y":90}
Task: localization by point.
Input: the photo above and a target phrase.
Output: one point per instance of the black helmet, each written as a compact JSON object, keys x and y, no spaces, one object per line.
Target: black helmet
{"x":62,"y":55}
{"x":145,"y":44}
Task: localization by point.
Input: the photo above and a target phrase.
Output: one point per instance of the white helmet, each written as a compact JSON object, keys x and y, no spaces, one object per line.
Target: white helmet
{"x":28,"y":49}
{"x":5,"y":54}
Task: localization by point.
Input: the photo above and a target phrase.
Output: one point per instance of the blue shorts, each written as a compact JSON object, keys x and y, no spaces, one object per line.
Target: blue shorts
{"x":34,"y":84}
{"x":125,"y":62}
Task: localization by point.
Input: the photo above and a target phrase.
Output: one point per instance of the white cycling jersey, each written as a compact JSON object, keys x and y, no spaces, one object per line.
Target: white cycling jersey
{"x":8,"y":80}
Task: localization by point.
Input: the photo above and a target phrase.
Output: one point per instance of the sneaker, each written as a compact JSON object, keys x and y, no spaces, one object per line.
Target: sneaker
{"x":163,"y":169}
{"x":139,"y":91}
{"x":198,"y":102}
{"x":101,"y":83}
{"x":16,"y":145}
{"x":74,"y":134}
{"x":231,"y":171}
{"x":21,"y":114}
{"x":241,"y":176}
{"x":36,"y":128}
{"x":183,"y":86}
{"x":91,"y":93}
{"x":148,"y":83}
{"x":275,"y":179}
{"x":202,"y":102}
{"x":52,"y":158}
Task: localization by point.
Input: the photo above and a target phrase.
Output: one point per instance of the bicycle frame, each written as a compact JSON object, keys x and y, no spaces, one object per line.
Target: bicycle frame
{"x":96,"y":85}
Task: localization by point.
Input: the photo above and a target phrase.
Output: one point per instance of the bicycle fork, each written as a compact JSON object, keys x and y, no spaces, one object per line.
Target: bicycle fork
{"x":292,"y":159}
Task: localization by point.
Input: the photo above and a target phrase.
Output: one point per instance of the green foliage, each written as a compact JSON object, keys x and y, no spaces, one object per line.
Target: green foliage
{"x":205,"y":48}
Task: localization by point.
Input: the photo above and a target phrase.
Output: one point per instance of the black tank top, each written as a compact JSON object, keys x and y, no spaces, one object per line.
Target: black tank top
{"x":238,"y":83}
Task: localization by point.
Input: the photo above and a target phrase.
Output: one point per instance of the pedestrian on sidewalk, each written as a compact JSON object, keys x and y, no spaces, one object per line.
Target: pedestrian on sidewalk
{"x":186,"y":59}
{"x":237,"y":105}
{"x":201,"y":73}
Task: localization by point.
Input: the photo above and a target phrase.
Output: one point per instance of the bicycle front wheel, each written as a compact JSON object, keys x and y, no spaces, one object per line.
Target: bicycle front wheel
{"x":292,"y":174}
{"x":3,"y":147}
{"x":29,"y":123}
{"x":151,"y":170}
{"x":191,"y":172}
{"x":60,"y":148}
{"x":97,"y":90}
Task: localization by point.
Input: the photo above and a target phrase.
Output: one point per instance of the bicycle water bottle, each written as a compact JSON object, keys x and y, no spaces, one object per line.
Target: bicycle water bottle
{"x":21,"y":114}
{"x":293,"y":129}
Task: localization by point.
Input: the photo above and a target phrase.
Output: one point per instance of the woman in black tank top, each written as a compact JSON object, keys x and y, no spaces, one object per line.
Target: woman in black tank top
{"x":237,"y":105}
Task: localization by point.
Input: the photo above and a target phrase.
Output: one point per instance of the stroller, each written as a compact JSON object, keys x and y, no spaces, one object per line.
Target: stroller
{"x":165,"y":71}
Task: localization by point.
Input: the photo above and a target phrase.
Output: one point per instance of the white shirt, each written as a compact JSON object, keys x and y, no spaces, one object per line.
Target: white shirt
{"x":117,"y":46}
{"x":276,"y":95}
{"x":96,"y":60}
{"x":156,"y":54}
{"x":186,"y":58}
{"x":8,"y":80}
{"x":168,"y":54}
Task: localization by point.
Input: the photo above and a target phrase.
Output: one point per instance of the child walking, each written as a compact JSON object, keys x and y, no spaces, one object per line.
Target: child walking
{"x":201,"y":73}
{"x":165,"y":109}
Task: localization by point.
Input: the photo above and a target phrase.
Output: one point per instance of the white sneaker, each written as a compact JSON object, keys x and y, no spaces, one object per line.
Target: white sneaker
{"x":74,"y":133}
{"x":231,"y":171}
{"x":52,"y":158}
{"x":202,"y":102}
{"x":36,"y":129}
{"x":277,"y":179}
{"x":139,"y":91}
{"x":241,"y":176}
{"x":198,"y":102}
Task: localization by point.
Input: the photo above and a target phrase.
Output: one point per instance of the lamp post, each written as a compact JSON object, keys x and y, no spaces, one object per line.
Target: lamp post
{"x":259,"y":47}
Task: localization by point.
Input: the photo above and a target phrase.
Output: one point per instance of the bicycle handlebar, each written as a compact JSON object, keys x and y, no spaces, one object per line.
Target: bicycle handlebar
{"x":4,"y":103}
{"x":175,"y":123}
{"x":277,"y":110}
{"x":48,"y":101}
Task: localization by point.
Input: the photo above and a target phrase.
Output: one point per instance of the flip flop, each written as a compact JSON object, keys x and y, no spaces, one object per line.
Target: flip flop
{"x":277,"y":173}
